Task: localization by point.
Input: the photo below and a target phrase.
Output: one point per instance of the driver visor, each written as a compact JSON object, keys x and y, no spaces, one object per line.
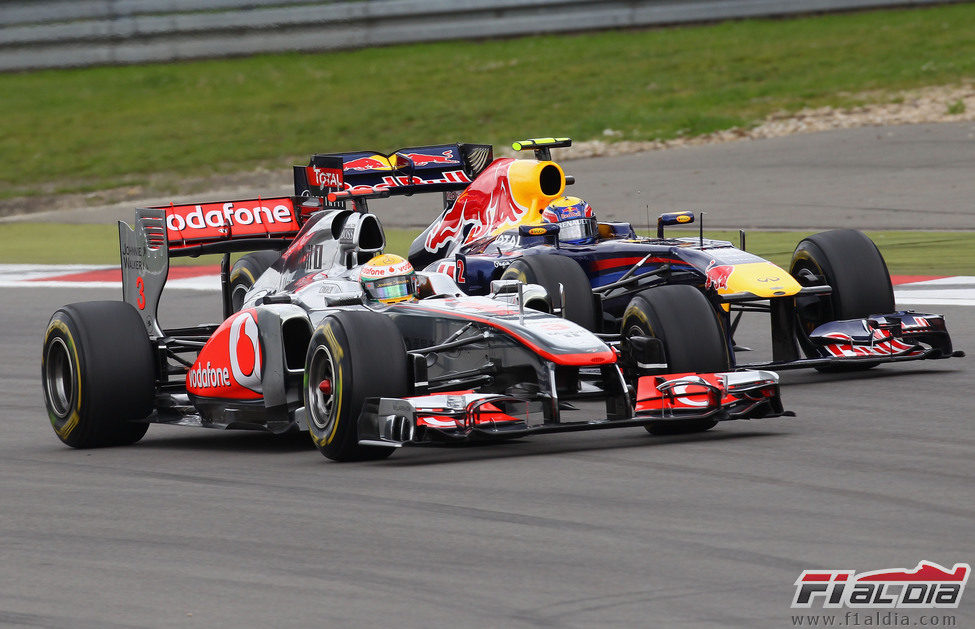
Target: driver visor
{"x":390,"y":287}
{"x":578,"y":229}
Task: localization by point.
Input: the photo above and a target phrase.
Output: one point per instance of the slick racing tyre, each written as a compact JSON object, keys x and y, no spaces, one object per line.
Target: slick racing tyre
{"x":352,"y":356}
{"x":98,"y":374}
{"x":692,"y":337}
{"x":851,"y":264}
{"x":549,"y":271}
{"x":245,"y":272}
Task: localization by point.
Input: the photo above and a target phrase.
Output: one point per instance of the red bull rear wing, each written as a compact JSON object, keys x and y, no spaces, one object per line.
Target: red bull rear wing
{"x":438,"y":168}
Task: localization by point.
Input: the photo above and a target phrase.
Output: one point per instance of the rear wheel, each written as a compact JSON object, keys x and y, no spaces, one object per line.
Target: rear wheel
{"x":245,"y":272}
{"x":851,"y":264}
{"x":549,"y":271}
{"x":693,"y":340}
{"x":352,"y":356}
{"x":98,"y":374}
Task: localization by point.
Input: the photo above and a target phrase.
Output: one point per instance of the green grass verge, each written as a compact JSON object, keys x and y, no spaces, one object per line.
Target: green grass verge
{"x":908,"y":253}
{"x":150,"y":125}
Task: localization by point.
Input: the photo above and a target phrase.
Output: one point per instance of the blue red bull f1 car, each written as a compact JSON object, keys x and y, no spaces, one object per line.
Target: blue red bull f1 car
{"x":674,"y":302}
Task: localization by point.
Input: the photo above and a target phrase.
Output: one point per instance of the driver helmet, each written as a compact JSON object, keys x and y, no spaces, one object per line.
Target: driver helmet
{"x":575,"y":218}
{"x":388,"y":278}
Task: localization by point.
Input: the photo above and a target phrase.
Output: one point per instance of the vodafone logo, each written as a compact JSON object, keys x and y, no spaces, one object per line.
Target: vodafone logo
{"x":226,"y":215}
{"x":384,"y":266}
{"x":230,"y":364}
{"x":681,"y":392}
{"x":205,"y":377}
{"x":245,"y":352}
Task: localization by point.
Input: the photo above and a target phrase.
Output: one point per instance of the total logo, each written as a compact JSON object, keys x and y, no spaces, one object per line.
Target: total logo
{"x":326,"y":177}
{"x":928,"y":585}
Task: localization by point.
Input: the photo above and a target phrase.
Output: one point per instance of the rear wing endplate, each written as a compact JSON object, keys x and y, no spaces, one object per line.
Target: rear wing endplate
{"x":145,"y":265}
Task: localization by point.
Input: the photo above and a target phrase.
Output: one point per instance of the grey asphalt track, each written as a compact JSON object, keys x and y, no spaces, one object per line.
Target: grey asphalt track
{"x":897,"y":177}
{"x":197,"y":528}
{"x":900,"y":177}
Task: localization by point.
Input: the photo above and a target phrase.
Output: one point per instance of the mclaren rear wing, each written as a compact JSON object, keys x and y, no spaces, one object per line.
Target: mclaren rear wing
{"x":224,"y":227}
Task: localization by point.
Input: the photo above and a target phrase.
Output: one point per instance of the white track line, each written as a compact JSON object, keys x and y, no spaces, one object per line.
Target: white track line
{"x":946,"y":291}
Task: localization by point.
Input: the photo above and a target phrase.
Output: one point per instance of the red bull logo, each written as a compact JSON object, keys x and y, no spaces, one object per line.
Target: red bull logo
{"x":422,"y":159}
{"x":486,"y":206}
{"x":366,"y":163}
{"x":717,"y":275}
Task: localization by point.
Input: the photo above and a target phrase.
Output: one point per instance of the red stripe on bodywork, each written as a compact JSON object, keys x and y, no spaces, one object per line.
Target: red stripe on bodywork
{"x":583,"y":359}
{"x":612,"y":263}
{"x":115,"y":275}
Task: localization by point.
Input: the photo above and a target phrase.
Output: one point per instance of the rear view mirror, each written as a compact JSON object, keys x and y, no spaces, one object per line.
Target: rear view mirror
{"x":673,"y":218}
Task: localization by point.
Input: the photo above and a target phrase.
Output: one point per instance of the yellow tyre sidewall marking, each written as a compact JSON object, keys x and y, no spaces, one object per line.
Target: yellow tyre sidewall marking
{"x":337,"y":354}
{"x":72,"y":421}
{"x":633,"y":311}
{"x":515,"y":274}
{"x":242,"y":271}
{"x":335,"y":349}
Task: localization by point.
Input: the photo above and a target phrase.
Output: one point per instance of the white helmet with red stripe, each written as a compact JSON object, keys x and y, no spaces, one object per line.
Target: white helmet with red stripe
{"x":388,"y":278}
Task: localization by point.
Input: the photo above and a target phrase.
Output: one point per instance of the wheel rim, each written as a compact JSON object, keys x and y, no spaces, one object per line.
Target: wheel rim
{"x":59,"y":377}
{"x":237,"y":297}
{"x":813,"y":311}
{"x":634,"y":330}
{"x":320,"y":404}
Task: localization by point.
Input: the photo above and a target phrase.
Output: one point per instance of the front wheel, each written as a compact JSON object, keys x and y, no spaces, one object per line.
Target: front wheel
{"x":851,"y":264}
{"x":352,"y":356}
{"x":558,"y":275}
{"x":98,"y":374}
{"x":684,"y":322}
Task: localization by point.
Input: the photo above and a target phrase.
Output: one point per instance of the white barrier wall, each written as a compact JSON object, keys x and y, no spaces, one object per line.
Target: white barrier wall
{"x":66,"y":33}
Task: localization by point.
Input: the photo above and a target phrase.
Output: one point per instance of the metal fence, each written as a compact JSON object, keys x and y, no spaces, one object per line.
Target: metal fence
{"x":68,"y":33}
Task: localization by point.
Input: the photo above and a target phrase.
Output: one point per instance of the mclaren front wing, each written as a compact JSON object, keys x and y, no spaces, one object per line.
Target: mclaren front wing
{"x":470,"y":416}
